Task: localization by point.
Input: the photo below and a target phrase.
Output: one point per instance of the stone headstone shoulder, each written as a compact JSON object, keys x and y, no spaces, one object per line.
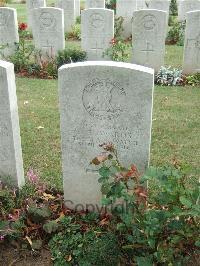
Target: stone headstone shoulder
{"x":94,"y":4}
{"x":114,"y":105}
{"x":149,"y":31}
{"x":192,"y":43}
{"x":69,"y":7}
{"x":30,"y":5}
{"x":185,"y":6}
{"x":97,"y":31}
{"x":8,"y":30}
{"x":125,"y":9}
{"x":48,"y":30}
{"x":11,"y":163}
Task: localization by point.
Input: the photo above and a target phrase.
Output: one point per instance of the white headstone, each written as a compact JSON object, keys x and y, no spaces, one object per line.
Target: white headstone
{"x":125,"y":9}
{"x":77,"y":8}
{"x":69,"y":13}
{"x":97,"y":31}
{"x":30,"y":5}
{"x":94,"y":4}
{"x":114,"y":105}
{"x":8,"y":31}
{"x":142,"y":4}
{"x":48,"y":30}
{"x":11,"y":163}
{"x":192,"y":43}
{"x":160,"y":5}
{"x":185,"y":6}
{"x":149,"y":31}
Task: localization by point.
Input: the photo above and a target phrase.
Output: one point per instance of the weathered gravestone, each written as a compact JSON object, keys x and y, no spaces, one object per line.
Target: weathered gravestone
{"x":69,"y":13}
{"x":48,"y":30}
{"x":185,"y":6}
{"x":114,"y":105}
{"x":160,"y":5}
{"x":77,"y":8}
{"x":30,"y":5}
{"x":8,"y":31}
{"x":149,"y":31}
{"x":97,"y":30}
{"x":142,"y":4}
{"x":94,"y":4}
{"x":11,"y":163}
{"x":192,"y":43}
{"x":125,"y":9}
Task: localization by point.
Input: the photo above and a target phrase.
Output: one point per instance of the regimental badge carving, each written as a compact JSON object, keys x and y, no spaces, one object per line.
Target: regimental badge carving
{"x":103,"y":99}
{"x":97,"y":21}
{"x":149,"y":22}
{"x":47,"y":21}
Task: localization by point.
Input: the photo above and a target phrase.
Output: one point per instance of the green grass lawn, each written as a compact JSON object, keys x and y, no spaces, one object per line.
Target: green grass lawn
{"x":175,"y":127}
{"x":176,"y":122}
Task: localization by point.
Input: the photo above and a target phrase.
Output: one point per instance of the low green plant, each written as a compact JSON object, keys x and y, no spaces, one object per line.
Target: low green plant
{"x":75,"y":33}
{"x":70,"y":55}
{"x":159,"y":227}
{"x":193,"y":80}
{"x":118,"y":51}
{"x":80,"y":244}
{"x":168,"y":76}
{"x":176,"y":34}
{"x":173,"y":8}
{"x":111,"y":4}
{"x":118,"y":27}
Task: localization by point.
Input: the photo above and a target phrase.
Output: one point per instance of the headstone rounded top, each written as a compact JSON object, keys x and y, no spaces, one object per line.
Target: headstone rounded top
{"x":110,"y":64}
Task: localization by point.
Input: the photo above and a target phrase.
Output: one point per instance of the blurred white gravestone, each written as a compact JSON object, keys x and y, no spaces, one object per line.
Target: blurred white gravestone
{"x":125,"y":9}
{"x":160,"y":5}
{"x":115,"y":105}
{"x":77,"y":8}
{"x":94,"y":4}
{"x":30,"y":5}
{"x":8,"y":31}
{"x":185,"y":6}
{"x":192,"y":43}
{"x":97,"y":31}
{"x":11,"y":163}
{"x":69,"y":13}
{"x":149,"y":31}
{"x":48,"y":30}
{"x":142,"y":4}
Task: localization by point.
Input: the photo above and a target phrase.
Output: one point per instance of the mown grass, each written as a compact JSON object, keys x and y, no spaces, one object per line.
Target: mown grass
{"x":176,"y":121}
{"x":175,"y":127}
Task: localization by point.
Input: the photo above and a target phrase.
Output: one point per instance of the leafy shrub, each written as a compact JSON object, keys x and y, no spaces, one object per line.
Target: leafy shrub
{"x":156,"y":227}
{"x":111,"y":4}
{"x":173,"y":8}
{"x":168,"y":76}
{"x":176,"y":34}
{"x":75,"y":33}
{"x":119,"y":50}
{"x":70,"y":55}
{"x":193,"y":80}
{"x":118,"y":27}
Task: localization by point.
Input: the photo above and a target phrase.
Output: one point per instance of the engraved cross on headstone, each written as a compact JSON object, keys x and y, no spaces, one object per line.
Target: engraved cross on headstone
{"x":96,"y":49}
{"x":149,"y":48}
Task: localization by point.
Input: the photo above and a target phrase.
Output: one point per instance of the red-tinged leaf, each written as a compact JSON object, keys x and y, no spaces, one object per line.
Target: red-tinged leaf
{"x":100,"y":159}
